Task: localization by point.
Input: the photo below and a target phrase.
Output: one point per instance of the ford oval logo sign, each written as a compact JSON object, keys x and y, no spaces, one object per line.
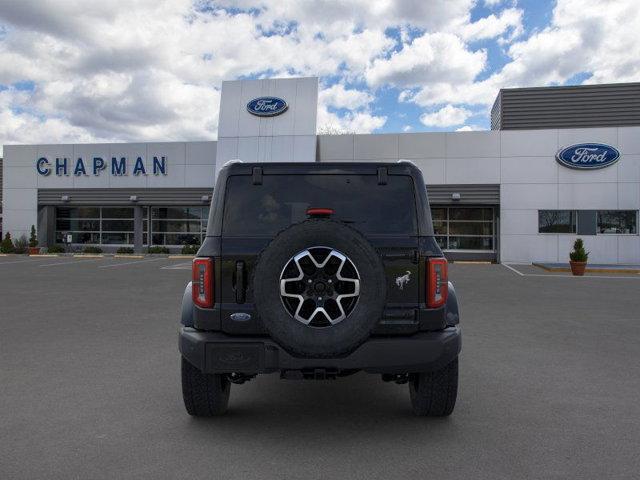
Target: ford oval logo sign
{"x":267,"y":106}
{"x":588,"y":156}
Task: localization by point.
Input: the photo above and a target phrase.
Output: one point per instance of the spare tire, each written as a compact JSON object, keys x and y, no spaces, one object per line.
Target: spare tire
{"x":319,"y":288}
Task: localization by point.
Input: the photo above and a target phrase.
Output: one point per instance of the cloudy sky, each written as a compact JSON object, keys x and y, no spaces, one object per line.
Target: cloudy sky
{"x":125,"y":70}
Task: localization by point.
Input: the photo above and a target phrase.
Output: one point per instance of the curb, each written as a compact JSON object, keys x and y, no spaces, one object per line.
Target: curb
{"x":122,"y":255}
{"x":589,"y":270}
{"x":88,"y":255}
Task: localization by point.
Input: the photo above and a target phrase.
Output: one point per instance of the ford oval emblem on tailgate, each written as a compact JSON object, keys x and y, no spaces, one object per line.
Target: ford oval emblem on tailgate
{"x":240,"y":317}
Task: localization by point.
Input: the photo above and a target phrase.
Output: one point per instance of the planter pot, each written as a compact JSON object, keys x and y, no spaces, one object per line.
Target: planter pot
{"x":34,"y":250}
{"x":578,"y":268}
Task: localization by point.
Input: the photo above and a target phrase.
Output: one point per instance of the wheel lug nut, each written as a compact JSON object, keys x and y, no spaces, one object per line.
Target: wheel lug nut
{"x":309,"y":281}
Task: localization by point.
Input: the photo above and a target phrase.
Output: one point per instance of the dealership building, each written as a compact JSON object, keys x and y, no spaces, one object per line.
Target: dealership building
{"x":559,"y":163}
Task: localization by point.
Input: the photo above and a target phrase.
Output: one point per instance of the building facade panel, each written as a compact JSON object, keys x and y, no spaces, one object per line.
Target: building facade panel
{"x":504,"y":186}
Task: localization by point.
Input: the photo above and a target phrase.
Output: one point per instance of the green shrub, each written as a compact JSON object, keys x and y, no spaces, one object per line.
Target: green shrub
{"x":21,"y":244}
{"x":125,"y":251}
{"x":579,"y":254}
{"x":7,"y":244}
{"x":190,"y":249}
{"x":33,"y":238}
{"x":55,"y":249}
{"x":158,"y":249}
{"x":92,"y":249}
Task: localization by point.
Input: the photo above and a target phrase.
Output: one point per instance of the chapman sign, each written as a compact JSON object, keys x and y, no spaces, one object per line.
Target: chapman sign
{"x":588,"y":156}
{"x":96,"y":165}
{"x":267,"y":106}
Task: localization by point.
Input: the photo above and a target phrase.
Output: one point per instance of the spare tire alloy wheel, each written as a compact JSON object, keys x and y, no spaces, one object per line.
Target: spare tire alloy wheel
{"x":320,"y":286}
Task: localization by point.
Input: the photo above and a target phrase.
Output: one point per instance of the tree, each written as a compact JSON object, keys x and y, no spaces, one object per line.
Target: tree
{"x":33,"y":238}
{"x":7,"y":244}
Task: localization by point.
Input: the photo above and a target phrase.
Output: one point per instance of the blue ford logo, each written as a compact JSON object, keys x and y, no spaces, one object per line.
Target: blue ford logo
{"x":267,"y":106}
{"x":588,"y":156}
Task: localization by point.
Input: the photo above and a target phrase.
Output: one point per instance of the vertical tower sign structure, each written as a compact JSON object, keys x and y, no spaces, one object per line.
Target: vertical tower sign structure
{"x":270,"y":120}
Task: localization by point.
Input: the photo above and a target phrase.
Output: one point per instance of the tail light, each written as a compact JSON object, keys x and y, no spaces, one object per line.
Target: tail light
{"x":320,"y":212}
{"x":202,"y":282}
{"x":437,"y":282}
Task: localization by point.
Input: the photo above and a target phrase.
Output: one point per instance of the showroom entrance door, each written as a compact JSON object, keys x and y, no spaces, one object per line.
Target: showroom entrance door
{"x":466,"y":232}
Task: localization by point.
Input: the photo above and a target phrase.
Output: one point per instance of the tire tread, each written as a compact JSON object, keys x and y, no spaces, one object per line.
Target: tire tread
{"x":434,"y":394}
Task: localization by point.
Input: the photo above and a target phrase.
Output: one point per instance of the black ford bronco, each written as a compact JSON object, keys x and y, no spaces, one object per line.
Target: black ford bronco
{"x":316,"y":271}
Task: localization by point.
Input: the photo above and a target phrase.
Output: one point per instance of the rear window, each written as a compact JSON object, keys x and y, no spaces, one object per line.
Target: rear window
{"x":282,"y":200}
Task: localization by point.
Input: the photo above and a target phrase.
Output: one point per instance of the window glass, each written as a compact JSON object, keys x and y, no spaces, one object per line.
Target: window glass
{"x":470,"y":228}
{"x":556,"y":221}
{"x":618,"y":221}
{"x":438,"y":214}
{"x":95,"y":225}
{"x":117,"y":238}
{"x":282,"y":200}
{"x":465,"y":213}
{"x":77,"y":212}
{"x":471,"y":243}
{"x":79,"y":237}
{"x":464,"y":228}
{"x":117,"y":225}
{"x":178,"y":225}
{"x":440,"y":227}
{"x":176,"y":213}
{"x":112,"y":212}
{"x":77,"y":224}
{"x":442,"y":242}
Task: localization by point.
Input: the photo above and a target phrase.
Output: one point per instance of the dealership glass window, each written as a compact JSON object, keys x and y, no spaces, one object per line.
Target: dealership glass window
{"x":95,"y":225}
{"x":178,"y":225}
{"x":618,"y":221}
{"x":557,"y":221}
{"x":464,"y":228}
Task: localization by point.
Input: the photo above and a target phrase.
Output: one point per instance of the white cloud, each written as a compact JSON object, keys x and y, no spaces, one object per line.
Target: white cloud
{"x":583,"y":37}
{"x":433,"y":57}
{"x":351,"y":122}
{"x":151,"y":69}
{"x":338,"y":96}
{"x":509,"y":20}
{"x":447,"y":116}
{"x":469,"y":128}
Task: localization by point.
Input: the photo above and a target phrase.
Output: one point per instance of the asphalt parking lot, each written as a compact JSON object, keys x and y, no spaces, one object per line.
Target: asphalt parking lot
{"x":90,"y":386}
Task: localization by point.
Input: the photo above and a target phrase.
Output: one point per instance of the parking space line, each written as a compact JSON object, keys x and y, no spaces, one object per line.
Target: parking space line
{"x":129,"y":263}
{"x":179,"y":266}
{"x":31,"y":259}
{"x":70,"y":263}
{"x":513,"y":269}
{"x":620,"y":277}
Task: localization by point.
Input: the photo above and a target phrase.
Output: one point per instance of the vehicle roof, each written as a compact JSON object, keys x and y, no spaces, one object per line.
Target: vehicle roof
{"x":362,"y":168}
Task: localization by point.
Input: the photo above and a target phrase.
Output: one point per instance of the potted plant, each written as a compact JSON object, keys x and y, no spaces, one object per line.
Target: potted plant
{"x":33,"y":242}
{"x":578,"y":258}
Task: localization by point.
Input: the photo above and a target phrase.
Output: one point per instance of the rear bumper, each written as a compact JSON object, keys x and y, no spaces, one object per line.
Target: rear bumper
{"x":214,"y":352}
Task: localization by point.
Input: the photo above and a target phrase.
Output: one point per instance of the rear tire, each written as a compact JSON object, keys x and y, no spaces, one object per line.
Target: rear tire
{"x":204,"y":394}
{"x":433,"y":394}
